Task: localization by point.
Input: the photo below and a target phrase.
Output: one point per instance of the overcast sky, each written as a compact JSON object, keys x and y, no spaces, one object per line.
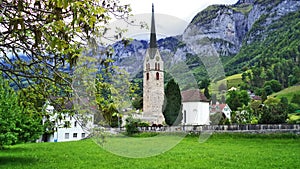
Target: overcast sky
{"x":183,"y":9}
{"x":171,"y":16}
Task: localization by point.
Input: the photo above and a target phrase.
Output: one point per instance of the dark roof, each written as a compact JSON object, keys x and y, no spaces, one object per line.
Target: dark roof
{"x":193,"y":96}
{"x":153,"y":32}
{"x":153,"y":44}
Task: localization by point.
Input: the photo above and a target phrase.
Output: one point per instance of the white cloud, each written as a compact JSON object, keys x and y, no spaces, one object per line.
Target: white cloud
{"x":185,"y":10}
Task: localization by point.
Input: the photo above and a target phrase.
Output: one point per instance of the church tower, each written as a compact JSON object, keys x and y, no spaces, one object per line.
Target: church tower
{"x":153,"y":82}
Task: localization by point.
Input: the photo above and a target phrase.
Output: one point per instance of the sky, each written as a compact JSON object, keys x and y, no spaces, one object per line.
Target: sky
{"x":183,"y":9}
{"x":171,"y":16}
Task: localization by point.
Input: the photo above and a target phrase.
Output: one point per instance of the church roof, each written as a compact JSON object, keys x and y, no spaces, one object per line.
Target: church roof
{"x":194,"y":95}
{"x":153,"y":44}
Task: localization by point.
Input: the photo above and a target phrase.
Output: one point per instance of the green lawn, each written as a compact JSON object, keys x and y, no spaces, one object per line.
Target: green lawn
{"x":219,"y":151}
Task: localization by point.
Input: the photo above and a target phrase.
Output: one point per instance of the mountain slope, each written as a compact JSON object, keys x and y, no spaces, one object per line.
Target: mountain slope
{"x":240,"y":35}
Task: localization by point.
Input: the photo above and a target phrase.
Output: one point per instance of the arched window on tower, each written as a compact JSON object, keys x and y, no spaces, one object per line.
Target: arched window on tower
{"x":147,"y":76}
{"x":158,"y":66}
{"x":157,"y":76}
{"x":148,"y":66}
{"x":155,"y":66}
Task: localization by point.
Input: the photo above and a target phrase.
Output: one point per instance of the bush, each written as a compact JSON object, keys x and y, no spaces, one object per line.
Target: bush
{"x":143,"y":124}
{"x":132,"y":125}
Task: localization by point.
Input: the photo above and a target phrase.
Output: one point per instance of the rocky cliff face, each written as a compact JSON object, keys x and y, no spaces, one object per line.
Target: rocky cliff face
{"x":228,"y":26}
{"x":218,"y":30}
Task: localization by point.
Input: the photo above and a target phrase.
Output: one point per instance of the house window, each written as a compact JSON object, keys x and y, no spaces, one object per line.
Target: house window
{"x":147,"y":75}
{"x":74,"y":135}
{"x":184,"y":116}
{"x":75,"y":124}
{"x":157,"y":76}
{"x":82,"y":135}
{"x":67,"y":135}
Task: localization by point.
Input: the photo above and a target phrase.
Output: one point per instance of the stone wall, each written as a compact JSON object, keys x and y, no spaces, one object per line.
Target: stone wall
{"x":235,"y":128}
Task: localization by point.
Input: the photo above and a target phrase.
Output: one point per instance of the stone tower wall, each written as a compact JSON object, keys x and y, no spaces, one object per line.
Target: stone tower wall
{"x":153,"y":89}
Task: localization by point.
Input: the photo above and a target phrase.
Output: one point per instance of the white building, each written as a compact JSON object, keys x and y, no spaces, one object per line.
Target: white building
{"x":66,"y":128}
{"x":195,"y":108}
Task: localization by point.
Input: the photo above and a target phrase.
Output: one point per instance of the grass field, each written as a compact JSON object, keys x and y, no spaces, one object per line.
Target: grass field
{"x":230,"y":81}
{"x":288,"y":92}
{"x":219,"y":151}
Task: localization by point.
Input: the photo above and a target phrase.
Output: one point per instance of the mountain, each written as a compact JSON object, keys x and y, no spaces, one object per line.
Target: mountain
{"x":237,"y":36}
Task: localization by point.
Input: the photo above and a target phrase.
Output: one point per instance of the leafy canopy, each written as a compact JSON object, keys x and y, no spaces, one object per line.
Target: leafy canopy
{"x":41,"y":40}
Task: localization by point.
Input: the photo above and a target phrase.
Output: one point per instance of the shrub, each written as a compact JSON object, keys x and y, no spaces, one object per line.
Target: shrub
{"x":132,"y":125}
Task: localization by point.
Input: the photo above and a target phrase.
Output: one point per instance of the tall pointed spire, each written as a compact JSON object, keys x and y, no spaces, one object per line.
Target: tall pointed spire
{"x":153,"y":32}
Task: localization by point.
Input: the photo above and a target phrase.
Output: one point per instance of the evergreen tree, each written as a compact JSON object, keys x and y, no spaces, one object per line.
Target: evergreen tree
{"x":173,"y":106}
{"x":206,"y":93}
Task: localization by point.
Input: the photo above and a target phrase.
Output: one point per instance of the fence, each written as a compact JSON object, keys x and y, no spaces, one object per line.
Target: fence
{"x":245,"y":128}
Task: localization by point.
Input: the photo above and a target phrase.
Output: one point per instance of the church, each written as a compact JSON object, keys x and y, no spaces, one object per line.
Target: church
{"x":195,"y":108}
{"x":153,"y":81}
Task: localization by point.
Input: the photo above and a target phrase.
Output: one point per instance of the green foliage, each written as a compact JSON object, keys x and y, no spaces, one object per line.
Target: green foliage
{"x":113,"y":93}
{"x":46,"y":39}
{"x":58,"y":34}
{"x":172,"y":112}
{"x":294,"y":118}
{"x":208,"y":14}
{"x":287,"y":92}
{"x":20,"y":122}
{"x":275,"y":57}
{"x":274,"y":84}
{"x":236,"y":99}
{"x":243,"y":8}
{"x":274,"y":111}
{"x":132,"y":125}
{"x":9,"y":114}
{"x":296,"y":99}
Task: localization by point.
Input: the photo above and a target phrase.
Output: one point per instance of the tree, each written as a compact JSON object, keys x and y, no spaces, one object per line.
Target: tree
{"x":42,"y":40}
{"x":173,"y":106}
{"x":113,"y":94}
{"x":19,"y":121}
{"x":274,"y":85}
{"x":204,"y":84}
{"x":132,"y":125}
{"x":274,"y":111}
{"x":236,"y":99}
{"x":296,"y":99}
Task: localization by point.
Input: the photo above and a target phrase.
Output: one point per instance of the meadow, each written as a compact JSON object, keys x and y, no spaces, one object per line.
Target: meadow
{"x":288,"y":92}
{"x":219,"y":151}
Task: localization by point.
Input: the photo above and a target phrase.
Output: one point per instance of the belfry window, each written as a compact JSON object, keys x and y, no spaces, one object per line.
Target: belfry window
{"x":155,"y":66}
{"x":148,"y":66}
{"x":158,"y":66}
{"x":147,"y":76}
{"x":157,"y":76}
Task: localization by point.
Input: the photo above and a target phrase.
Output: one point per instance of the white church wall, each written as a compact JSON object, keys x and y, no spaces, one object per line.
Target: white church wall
{"x":195,"y":113}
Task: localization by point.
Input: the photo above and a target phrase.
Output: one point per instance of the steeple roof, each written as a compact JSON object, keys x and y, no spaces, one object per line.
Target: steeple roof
{"x":153,"y":44}
{"x":153,"y":32}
